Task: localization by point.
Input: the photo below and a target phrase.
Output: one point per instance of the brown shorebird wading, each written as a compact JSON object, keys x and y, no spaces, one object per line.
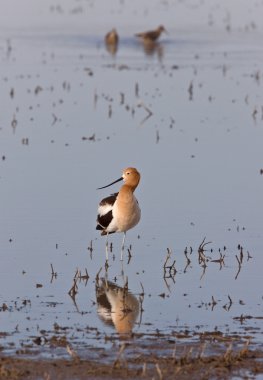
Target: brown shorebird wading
{"x":151,"y":35}
{"x":111,"y":41}
{"x":112,"y":37}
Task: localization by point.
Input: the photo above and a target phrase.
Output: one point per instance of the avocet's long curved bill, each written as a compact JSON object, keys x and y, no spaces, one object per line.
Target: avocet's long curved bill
{"x":117,"y":180}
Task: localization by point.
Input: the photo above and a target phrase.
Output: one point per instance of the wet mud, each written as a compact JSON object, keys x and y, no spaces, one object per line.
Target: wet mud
{"x":215,"y":356}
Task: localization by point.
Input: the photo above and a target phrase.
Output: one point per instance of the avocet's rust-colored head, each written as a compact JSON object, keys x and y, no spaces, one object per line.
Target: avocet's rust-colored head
{"x":131,"y":177}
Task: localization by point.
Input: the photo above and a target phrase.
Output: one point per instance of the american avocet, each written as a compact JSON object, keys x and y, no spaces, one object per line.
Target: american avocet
{"x":120,"y":211}
{"x":151,"y":35}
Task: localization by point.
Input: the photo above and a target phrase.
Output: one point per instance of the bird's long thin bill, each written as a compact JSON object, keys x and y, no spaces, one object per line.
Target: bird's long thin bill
{"x":117,"y":180}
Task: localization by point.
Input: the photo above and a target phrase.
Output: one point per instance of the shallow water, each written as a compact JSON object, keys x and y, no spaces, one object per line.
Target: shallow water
{"x":72,"y":119}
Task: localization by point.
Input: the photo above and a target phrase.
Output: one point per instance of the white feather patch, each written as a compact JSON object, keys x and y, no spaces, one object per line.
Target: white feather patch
{"x":104,"y":209}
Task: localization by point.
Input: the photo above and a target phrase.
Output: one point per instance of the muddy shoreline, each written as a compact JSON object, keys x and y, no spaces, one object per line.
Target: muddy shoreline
{"x":214,"y":356}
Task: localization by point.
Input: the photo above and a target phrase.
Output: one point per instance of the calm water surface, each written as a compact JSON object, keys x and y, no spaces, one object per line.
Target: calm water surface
{"x":73,"y":117}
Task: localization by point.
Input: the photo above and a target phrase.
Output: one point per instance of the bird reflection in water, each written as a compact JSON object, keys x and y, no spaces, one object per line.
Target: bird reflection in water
{"x":150,"y":48}
{"x":116,"y":306}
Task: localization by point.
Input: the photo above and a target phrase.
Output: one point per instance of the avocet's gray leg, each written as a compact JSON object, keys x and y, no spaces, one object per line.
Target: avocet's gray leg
{"x":122,"y":246}
{"x":107,"y":248}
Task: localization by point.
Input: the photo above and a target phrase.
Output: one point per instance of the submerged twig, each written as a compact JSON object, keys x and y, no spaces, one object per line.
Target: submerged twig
{"x":53,"y":273}
{"x":220,"y":260}
{"x":228,"y":306}
{"x":169,"y":270}
{"x":149,"y":112}
{"x":201,"y":252}
{"x":188,"y":261}
{"x":74,"y":289}
{"x":239,"y":267}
